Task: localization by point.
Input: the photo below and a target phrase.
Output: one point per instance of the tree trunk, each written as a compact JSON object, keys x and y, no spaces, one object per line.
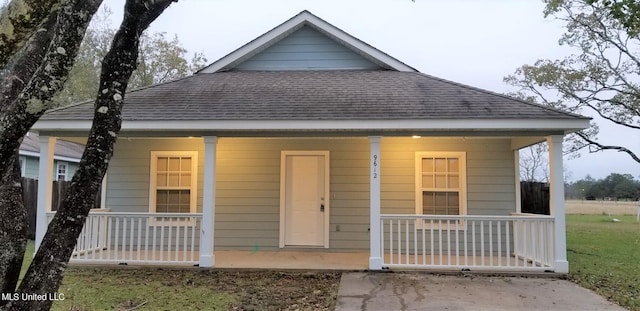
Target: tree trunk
{"x":19,"y":21}
{"x":50,"y":262}
{"x":13,"y":228}
{"x":35,"y":74}
{"x":35,"y":78}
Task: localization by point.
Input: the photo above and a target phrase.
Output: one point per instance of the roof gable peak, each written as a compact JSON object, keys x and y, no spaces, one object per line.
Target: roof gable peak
{"x":305,"y":18}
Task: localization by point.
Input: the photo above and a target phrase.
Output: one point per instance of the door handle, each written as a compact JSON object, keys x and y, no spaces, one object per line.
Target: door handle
{"x":322,"y":207}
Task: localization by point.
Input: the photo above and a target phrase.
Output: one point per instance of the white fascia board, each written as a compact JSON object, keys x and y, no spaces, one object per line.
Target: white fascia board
{"x":294,"y":23}
{"x":29,"y":153}
{"x":55,"y":157}
{"x":329,"y":125}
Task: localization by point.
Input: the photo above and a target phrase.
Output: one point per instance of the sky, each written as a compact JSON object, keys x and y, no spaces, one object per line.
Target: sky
{"x":475,"y":42}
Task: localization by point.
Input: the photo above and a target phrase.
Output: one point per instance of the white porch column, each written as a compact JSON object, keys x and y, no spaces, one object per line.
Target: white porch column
{"x":207,"y":258}
{"x":45,"y":184}
{"x":103,"y":192}
{"x":516,"y":162}
{"x":556,"y":179}
{"x":375,"y":259}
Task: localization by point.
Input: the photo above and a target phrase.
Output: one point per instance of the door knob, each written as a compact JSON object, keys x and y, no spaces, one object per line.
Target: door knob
{"x":322,"y":207}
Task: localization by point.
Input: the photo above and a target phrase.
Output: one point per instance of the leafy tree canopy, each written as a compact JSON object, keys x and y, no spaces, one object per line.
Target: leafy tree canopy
{"x":615,"y":186}
{"x":603,"y":76}
{"x":161,"y":59}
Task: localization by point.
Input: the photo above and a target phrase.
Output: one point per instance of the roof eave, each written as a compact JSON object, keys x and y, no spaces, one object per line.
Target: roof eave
{"x":503,"y":125}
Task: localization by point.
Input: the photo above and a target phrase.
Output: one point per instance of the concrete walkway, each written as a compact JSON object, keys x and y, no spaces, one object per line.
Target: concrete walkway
{"x":418,"y":291}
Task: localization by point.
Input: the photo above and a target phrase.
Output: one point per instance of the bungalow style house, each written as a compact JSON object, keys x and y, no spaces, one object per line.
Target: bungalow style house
{"x":309,"y":143}
{"x":66,"y":157}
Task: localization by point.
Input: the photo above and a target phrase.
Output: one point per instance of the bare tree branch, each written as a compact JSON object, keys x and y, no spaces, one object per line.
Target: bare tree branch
{"x":605,"y":147}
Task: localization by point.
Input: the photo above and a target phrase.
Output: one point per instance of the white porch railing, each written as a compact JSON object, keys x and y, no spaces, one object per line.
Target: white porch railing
{"x":507,"y":243}
{"x":141,"y":238}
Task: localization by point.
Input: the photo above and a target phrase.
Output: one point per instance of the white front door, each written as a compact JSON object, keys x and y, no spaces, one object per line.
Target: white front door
{"x":305,"y":199}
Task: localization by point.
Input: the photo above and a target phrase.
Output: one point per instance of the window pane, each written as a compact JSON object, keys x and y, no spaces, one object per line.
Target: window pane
{"x":185,"y":180}
{"x":174,"y":179}
{"x":441,"y":181}
{"x":428,"y":201}
{"x":454,"y":165}
{"x":440,"y":203}
{"x":427,"y":165}
{"x":453,"y":181}
{"x":173,"y":197}
{"x":453,"y":211}
{"x":427,"y":181}
{"x":172,"y":208}
{"x":162,"y":164}
{"x":174,"y":164}
{"x":186,"y":165}
{"x":453,"y":199}
{"x":161,"y":197}
{"x":441,"y":165}
{"x":173,"y":201}
{"x":440,"y":210}
{"x":185,"y":197}
{"x":441,"y":198}
{"x":161,"y":179}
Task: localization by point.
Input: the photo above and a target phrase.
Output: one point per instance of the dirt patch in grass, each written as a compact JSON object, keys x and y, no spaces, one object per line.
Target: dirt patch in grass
{"x":192,"y":289}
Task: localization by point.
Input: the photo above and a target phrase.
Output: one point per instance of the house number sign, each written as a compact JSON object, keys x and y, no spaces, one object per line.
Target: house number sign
{"x":375,"y":166}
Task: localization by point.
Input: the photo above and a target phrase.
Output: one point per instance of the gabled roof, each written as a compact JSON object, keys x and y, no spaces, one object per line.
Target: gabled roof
{"x":394,"y":98}
{"x":63,"y":150}
{"x":305,"y":18}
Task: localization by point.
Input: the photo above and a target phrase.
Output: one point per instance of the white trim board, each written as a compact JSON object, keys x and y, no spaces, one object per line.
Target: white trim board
{"x":262,"y":125}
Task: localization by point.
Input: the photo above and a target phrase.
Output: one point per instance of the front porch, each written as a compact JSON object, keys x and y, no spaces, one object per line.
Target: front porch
{"x":239,"y":217}
{"x":474,"y":243}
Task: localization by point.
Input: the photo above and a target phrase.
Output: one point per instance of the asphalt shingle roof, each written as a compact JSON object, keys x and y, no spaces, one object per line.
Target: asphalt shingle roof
{"x":62,"y":148}
{"x":315,"y":95}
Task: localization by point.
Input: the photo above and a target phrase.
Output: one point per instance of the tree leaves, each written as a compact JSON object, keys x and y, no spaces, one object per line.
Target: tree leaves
{"x":602,"y":76}
{"x":161,"y":59}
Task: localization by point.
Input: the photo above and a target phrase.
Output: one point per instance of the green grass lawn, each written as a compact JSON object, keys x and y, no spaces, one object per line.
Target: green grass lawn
{"x":604,"y":256}
{"x":123,"y":289}
{"x":149,"y":288}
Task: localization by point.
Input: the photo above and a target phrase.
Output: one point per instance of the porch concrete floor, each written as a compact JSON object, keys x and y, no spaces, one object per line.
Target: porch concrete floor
{"x":294,"y":259}
{"x":285,"y":259}
{"x":419,"y":291}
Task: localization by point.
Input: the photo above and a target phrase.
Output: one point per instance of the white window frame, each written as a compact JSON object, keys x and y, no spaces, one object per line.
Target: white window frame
{"x":66,"y":170}
{"x":23,"y":165}
{"x":462,"y":191}
{"x":153,"y":176}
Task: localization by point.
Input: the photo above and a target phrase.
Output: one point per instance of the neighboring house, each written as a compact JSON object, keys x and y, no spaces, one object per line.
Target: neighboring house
{"x":308,"y":140}
{"x":65,"y":157}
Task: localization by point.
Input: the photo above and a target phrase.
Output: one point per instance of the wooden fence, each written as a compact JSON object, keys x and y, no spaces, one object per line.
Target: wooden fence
{"x":30,"y":199}
{"x":534,"y":197}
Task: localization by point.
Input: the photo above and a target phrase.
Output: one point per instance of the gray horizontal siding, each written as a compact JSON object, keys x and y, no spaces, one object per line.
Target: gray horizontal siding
{"x":248,"y":182}
{"x":306,"y":49}
{"x":490,"y":173}
{"x":129,"y":169}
